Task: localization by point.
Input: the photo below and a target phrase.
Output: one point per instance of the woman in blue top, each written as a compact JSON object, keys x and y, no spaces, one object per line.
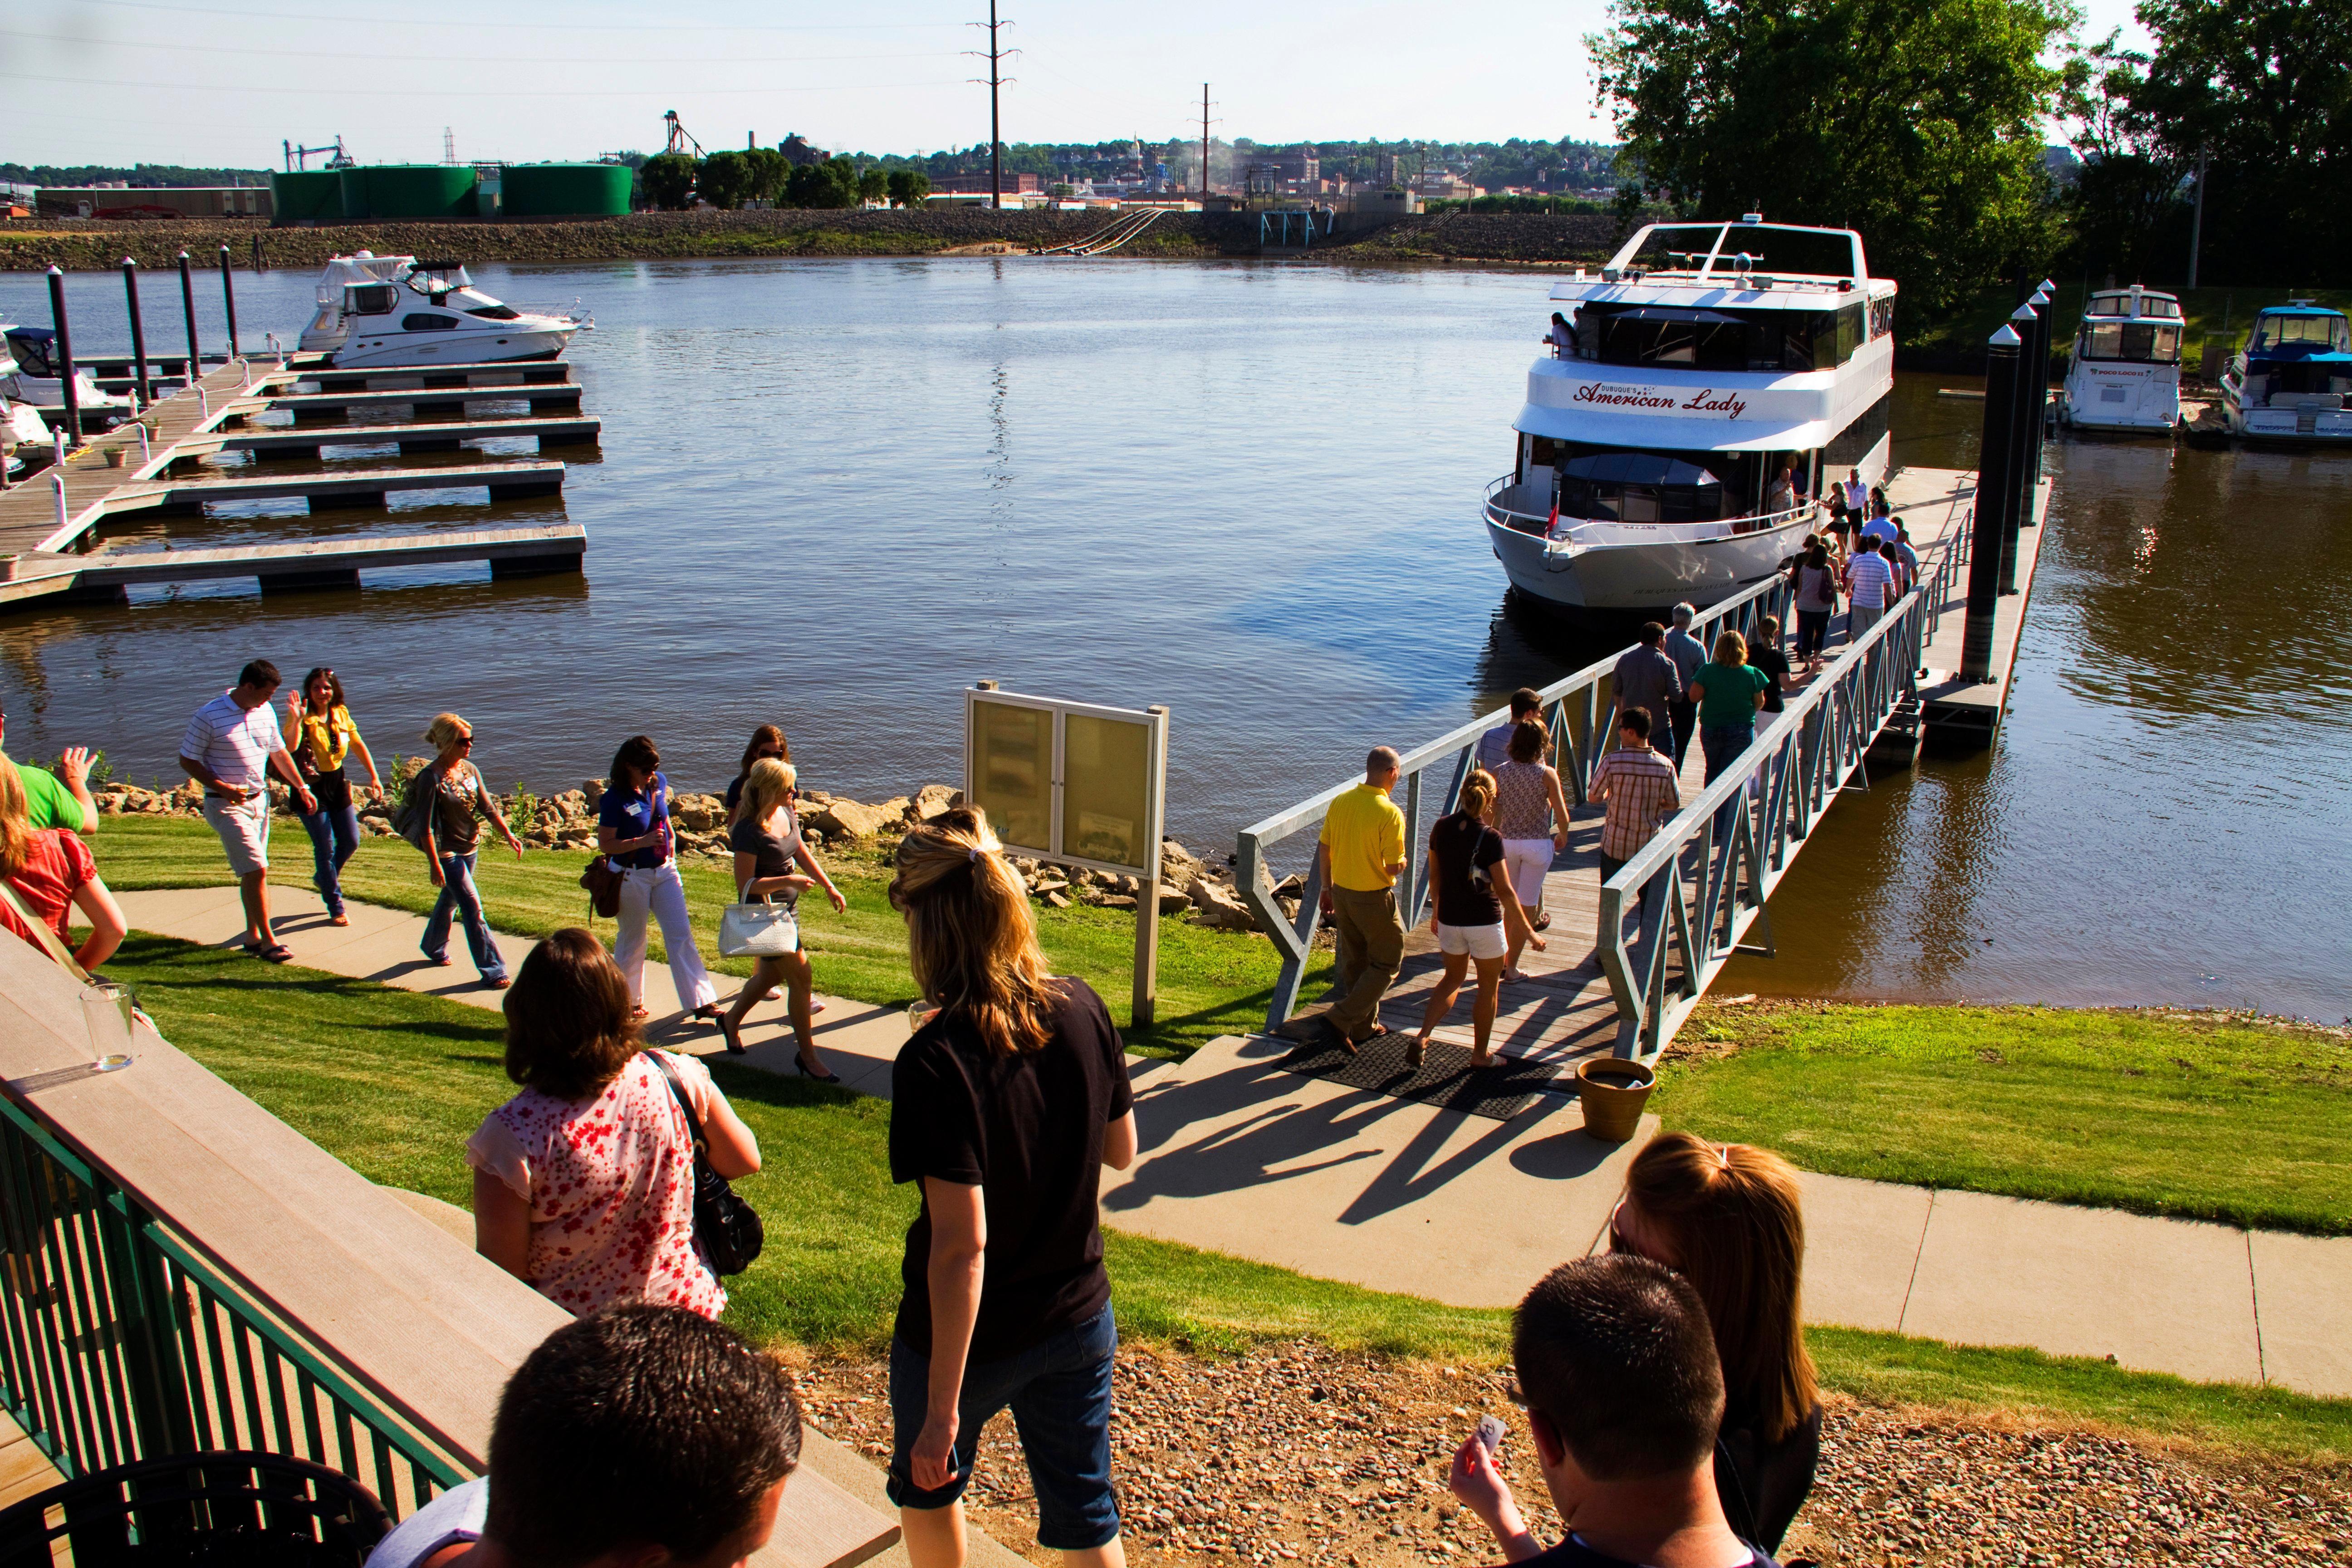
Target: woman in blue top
{"x":632,"y":827}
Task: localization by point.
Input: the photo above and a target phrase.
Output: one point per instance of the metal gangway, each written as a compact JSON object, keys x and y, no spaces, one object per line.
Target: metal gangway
{"x":1102,"y":242}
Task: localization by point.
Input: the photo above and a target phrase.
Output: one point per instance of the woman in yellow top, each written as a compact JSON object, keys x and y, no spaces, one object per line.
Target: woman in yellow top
{"x":320,"y":735}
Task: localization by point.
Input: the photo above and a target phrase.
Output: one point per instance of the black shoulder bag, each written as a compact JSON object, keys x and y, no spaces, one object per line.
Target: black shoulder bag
{"x":727,"y":1226}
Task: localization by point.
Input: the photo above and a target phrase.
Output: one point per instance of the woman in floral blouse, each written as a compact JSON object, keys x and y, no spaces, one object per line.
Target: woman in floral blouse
{"x":583,"y":1182}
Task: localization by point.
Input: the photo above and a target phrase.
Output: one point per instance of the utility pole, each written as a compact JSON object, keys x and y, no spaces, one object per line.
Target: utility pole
{"x":995,"y":55}
{"x":1205,"y":142}
{"x":2197,"y":218}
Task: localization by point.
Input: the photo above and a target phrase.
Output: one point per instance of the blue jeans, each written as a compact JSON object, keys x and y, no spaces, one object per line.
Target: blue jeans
{"x":1060,"y":1396}
{"x":459,"y":894}
{"x":335,"y":838}
{"x":1723,"y":744}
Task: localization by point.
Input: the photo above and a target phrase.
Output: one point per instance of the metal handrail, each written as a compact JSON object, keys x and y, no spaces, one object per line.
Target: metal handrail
{"x":1771,"y":797}
{"x":1762,"y":522}
{"x":1580,"y":721}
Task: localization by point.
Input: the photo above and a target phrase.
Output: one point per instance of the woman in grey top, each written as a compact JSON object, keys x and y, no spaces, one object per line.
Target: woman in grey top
{"x":451,"y":837}
{"x":1531,"y":818}
{"x":772,"y":861}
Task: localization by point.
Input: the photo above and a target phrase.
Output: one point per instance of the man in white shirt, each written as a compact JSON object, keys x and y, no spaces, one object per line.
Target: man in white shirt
{"x":232,"y":744}
{"x":1857,"y":494}
{"x":1870,"y":580}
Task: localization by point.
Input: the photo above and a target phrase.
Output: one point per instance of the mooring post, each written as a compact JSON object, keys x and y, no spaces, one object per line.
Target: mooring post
{"x":228,"y":302}
{"x":188,"y":305}
{"x":57,"y":478}
{"x":257,"y":268}
{"x":146,"y":389}
{"x":1992,"y":482}
{"x":2024,"y":432}
{"x":65,"y":359}
{"x":2049,"y":292}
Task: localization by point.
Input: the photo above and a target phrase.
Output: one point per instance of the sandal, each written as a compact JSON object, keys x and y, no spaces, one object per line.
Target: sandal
{"x":501,"y":983}
{"x":338,"y":920}
{"x":1543,"y":920}
{"x":636,"y":1015}
{"x":276,"y":953}
{"x":734,"y":1039}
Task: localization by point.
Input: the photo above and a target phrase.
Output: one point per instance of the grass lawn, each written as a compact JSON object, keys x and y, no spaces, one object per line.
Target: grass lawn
{"x":393,"y":1082}
{"x":2206,"y":1117}
{"x":1210,"y":983}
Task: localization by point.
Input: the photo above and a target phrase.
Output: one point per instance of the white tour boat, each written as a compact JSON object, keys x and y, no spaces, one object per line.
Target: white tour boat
{"x":29,"y":374}
{"x":386,"y":312}
{"x":2294,"y":378}
{"x":1715,"y":377}
{"x":2124,"y":373}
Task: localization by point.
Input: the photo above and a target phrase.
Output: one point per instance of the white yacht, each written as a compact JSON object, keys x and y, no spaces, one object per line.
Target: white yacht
{"x":2124,"y":373}
{"x":387,"y":312}
{"x":29,"y":374}
{"x":2293,"y":380}
{"x":1706,"y":387}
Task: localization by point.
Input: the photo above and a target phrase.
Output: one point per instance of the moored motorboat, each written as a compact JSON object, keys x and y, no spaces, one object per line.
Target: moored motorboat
{"x":2123,"y":373}
{"x":389,"y":312}
{"x":29,"y":375}
{"x":1675,"y":437}
{"x":2292,"y":380}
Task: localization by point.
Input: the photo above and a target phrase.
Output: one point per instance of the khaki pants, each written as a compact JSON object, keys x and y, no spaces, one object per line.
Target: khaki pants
{"x":1371,"y":949}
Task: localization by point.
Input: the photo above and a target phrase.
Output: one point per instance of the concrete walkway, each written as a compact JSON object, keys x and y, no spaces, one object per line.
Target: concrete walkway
{"x":1243,"y":1158}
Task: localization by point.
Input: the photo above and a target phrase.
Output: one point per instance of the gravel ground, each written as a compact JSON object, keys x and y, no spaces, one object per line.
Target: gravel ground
{"x":1302,"y":1453}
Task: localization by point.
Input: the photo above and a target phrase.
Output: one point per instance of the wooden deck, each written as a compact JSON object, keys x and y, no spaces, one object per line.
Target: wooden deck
{"x":1563,"y":1010}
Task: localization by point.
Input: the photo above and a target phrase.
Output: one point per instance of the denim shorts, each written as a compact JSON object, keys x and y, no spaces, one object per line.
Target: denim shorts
{"x":1060,"y":1394}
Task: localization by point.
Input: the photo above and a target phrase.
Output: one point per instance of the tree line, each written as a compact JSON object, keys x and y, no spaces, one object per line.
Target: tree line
{"x":729,"y":179}
{"x":1922,"y":124}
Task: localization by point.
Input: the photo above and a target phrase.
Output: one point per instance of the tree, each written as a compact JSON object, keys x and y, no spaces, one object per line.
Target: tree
{"x":2128,"y":202}
{"x":669,"y":179}
{"x":725,"y":180}
{"x":873,"y":186}
{"x":1917,"y":122}
{"x":767,"y":170}
{"x":908,"y":188}
{"x":832,"y":183}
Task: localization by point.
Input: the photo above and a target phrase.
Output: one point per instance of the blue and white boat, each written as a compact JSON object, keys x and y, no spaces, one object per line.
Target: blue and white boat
{"x":2293,"y":377}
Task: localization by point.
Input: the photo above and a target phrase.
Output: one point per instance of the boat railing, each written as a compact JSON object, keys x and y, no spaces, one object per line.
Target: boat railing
{"x":1571,"y":535}
{"x":1580,"y":712}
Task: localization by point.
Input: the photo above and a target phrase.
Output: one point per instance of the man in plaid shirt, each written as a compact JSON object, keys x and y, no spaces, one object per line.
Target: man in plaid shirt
{"x":1639,"y":788}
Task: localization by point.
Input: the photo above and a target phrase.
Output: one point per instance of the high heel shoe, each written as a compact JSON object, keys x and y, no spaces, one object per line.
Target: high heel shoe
{"x":819,"y":1076}
{"x":734,"y":1039}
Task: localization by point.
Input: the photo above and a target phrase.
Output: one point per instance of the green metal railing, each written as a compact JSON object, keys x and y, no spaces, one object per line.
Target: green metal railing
{"x":118,"y":1342}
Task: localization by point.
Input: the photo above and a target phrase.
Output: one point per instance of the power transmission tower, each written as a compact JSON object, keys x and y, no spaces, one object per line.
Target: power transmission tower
{"x":995,"y":55}
{"x":1205,"y":122}
{"x":449,"y":145}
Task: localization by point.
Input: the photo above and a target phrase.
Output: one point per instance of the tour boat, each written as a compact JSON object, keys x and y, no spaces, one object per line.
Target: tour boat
{"x":1713,"y":379}
{"x":29,"y":374}
{"x":2124,"y":373}
{"x":2289,"y":383}
{"x":387,"y":312}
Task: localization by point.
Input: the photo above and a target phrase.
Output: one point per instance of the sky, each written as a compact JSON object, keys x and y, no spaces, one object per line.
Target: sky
{"x":219,"y":84}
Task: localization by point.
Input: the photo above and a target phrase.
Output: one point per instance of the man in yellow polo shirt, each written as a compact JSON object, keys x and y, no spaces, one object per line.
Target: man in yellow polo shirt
{"x":1362,"y":850}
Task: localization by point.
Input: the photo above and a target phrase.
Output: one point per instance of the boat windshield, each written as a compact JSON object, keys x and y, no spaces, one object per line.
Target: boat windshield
{"x":2319,"y":333}
{"x":2120,"y":304}
{"x":1639,"y":486}
{"x":2142,"y":343}
{"x":29,"y":347}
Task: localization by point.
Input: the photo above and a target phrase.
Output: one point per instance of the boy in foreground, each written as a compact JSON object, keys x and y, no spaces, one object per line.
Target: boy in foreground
{"x":645,"y":1437}
{"x":1617,"y":1366}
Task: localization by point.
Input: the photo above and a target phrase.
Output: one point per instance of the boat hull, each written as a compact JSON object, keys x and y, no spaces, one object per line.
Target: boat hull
{"x":2289,"y":426}
{"x":420,"y":349}
{"x":1653,"y":576}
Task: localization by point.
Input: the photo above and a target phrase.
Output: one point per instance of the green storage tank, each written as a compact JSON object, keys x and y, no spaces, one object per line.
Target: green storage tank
{"x":311,"y":195}
{"x":566,"y":190}
{"x":408,"y":190}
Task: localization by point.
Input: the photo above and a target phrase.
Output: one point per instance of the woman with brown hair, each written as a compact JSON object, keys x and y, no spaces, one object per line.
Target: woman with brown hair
{"x":583,"y":1182}
{"x":767,"y":741}
{"x":1729,"y":1217}
{"x":49,"y":870}
{"x":1476,"y":919}
{"x":1004,"y":1108}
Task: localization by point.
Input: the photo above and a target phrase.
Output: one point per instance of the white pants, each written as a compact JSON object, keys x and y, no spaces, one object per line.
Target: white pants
{"x":1527,"y":859}
{"x":660,"y":893}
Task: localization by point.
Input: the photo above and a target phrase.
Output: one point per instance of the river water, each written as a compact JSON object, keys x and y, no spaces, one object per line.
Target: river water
{"x":831,"y":494}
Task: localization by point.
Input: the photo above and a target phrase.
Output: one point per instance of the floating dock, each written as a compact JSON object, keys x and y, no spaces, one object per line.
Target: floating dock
{"x":1959,"y":714}
{"x":336,"y":407}
{"x":307,"y":565}
{"x":273,"y":441}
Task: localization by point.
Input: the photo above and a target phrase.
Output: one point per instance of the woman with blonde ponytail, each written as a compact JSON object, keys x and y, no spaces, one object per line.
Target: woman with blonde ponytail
{"x":1004,"y":1108}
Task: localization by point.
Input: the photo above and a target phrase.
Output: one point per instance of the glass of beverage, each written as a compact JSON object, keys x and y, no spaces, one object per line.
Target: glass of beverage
{"x":108,"y":1012}
{"x":921,"y":1014}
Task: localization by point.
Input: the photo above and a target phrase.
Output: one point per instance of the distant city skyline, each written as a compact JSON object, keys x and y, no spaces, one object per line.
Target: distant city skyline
{"x":119,"y":82}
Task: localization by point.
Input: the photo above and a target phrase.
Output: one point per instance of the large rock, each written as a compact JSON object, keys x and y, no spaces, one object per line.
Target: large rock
{"x":840,"y":818}
{"x":1217,"y":906}
{"x":931,"y":800}
{"x":698,"y":813}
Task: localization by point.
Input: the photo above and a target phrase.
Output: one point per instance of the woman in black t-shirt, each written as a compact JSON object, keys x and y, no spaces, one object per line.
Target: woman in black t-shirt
{"x":1470,"y":922}
{"x":772,"y":860}
{"x":1764,"y":654}
{"x":767,"y":741}
{"x":1004,"y":1108}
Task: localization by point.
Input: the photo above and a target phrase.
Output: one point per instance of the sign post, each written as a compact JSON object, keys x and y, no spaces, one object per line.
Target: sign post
{"x":1077,"y":785}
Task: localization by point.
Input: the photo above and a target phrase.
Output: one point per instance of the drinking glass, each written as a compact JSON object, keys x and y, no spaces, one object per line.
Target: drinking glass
{"x":921,"y":1014}
{"x":108,"y":1010}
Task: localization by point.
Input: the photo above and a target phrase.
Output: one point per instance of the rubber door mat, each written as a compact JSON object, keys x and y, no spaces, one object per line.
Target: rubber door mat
{"x":1445,"y":1079}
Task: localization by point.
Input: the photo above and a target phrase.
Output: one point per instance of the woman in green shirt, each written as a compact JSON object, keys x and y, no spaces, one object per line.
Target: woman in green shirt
{"x":1730,"y":691}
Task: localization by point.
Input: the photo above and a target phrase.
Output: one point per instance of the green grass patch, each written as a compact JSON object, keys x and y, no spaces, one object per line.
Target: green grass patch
{"x":393,"y":1083}
{"x":1210,"y":983}
{"x":2188,"y":1115}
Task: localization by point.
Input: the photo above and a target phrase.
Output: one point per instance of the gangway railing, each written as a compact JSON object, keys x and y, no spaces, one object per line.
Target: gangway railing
{"x":1580,"y":710}
{"x":1102,"y":241}
{"x":1849,"y":705}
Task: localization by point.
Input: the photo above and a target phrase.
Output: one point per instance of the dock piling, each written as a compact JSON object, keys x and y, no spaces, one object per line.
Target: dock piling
{"x":64,"y":361}
{"x":143,"y":389}
{"x":228,"y":301}
{"x":1993,"y":488}
{"x":2024,"y":432}
{"x":188,"y":305}
{"x":58,"y":479}
{"x":2049,"y":292}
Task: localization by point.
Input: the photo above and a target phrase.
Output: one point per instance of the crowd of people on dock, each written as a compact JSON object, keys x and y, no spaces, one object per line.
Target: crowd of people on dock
{"x":1673,"y":1410}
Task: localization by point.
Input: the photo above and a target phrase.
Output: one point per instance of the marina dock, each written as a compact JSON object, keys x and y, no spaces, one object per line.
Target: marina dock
{"x":333,"y":406}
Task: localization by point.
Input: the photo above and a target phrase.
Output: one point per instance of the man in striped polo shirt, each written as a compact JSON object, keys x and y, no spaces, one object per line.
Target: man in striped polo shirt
{"x":1870,"y":580}
{"x":1638,"y":787}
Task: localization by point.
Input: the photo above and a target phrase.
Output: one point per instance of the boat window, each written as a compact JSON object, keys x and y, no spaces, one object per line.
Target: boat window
{"x":1657,"y":334}
{"x":1853,"y":444}
{"x":493,"y":312}
{"x":426,"y":322}
{"x":370,"y":300}
{"x":1639,"y":486}
{"x":2320,"y":331}
{"x":2139,"y":341}
{"x":31,"y":351}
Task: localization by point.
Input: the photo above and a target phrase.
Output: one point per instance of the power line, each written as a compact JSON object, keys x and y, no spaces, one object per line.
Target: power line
{"x":444,"y":59}
{"x":339,"y":91}
{"x":995,"y":55}
{"x":473,"y":24}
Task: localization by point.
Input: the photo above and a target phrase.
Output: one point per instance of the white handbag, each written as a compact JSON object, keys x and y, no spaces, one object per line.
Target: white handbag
{"x":759,"y":929}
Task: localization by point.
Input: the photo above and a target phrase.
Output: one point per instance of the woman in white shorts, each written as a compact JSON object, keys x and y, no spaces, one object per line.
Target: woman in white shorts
{"x":1531,"y":815}
{"x":1475,"y":920}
